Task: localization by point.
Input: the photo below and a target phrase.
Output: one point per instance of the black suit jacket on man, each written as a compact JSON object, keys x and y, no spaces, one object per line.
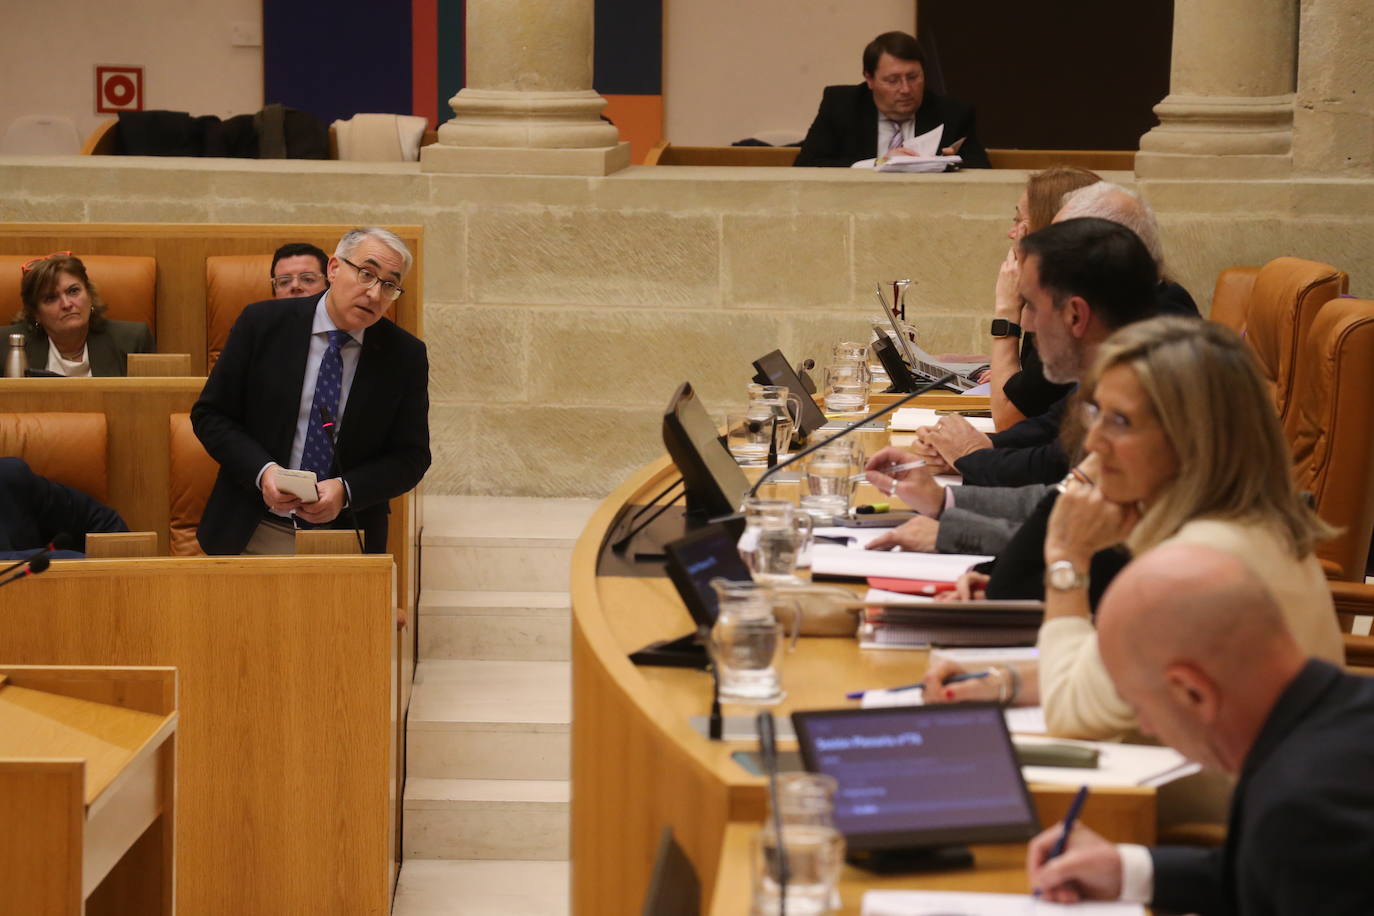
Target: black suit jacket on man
{"x":846,"y":128}
{"x":35,"y":510}
{"x":246,"y":417}
{"x":1301,"y":833}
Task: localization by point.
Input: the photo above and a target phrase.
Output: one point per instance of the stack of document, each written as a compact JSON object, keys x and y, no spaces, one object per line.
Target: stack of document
{"x":924,"y":156}
{"x":898,"y":621}
{"x":910,"y":418}
{"x":856,"y":563}
{"x":965,"y":903}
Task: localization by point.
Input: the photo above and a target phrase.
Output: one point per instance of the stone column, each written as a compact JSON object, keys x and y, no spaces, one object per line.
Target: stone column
{"x":1333,"y":125}
{"x":528,"y":107}
{"x":1229,"y":112}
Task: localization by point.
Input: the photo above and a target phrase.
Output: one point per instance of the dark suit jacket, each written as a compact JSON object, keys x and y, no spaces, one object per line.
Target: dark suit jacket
{"x":246,"y":417}
{"x":846,"y":128}
{"x":34,"y":510}
{"x":1025,"y":453}
{"x":1301,"y":833}
{"x":108,"y":349}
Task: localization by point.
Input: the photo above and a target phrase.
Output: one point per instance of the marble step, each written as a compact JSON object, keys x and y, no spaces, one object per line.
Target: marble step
{"x":486,"y":819}
{"x":472,"y":719}
{"x":481,"y":543}
{"x":522,"y":626}
{"x":447,"y":887}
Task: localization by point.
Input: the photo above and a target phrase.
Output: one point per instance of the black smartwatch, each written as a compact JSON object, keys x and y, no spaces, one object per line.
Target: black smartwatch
{"x":1004,"y":327}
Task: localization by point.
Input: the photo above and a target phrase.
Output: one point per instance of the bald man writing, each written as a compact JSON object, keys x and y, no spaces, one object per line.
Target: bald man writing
{"x":1198,"y":647}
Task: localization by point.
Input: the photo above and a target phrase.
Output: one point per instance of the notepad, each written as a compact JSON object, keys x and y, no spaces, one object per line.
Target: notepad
{"x":909,"y":418}
{"x":833,"y":560}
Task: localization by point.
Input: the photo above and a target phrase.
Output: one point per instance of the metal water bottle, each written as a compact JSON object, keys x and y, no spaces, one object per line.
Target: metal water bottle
{"x":15,"y":361}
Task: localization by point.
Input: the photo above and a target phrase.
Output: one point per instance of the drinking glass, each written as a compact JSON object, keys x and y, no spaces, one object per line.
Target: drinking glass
{"x":748,"y":439}
{"x":830,"y":471}
{"x":846,"y":387}
{"x":814,"y":848}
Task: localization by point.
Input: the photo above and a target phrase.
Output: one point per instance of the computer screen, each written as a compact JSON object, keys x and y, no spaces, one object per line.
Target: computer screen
{"x":706,"y":554}
{"x":919,"y":776}
{"x":714,"y":482}
{"x":774,"y":369}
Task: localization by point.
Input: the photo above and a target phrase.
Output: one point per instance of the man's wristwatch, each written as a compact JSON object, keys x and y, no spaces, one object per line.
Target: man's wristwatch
{"x":1005,"y":327}
{"x":1062,"y":576}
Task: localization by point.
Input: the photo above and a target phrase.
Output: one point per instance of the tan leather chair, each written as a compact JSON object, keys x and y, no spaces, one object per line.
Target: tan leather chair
{"x":1333,"y":439}
{"x":231,"y":282}
{"x":69,"y":448}
{"x":192,"y":477}
{"x":1287,"y":296}
{"x":127,"y":284}
{"x":1231,"y":297}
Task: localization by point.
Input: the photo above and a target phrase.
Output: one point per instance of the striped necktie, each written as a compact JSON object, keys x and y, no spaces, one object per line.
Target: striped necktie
{"x":896,"y":140}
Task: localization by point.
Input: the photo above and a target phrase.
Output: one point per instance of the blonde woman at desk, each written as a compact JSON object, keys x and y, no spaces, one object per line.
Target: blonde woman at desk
{"x":1183,"y":447}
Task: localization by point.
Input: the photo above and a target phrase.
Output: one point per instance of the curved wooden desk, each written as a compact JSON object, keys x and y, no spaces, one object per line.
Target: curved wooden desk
{"x":637,"y":765}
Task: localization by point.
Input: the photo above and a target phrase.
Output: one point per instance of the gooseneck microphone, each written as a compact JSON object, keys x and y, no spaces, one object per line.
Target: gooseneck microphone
{"x":32,"y":567}
{"x":327,"y":424}
{"x":844,"y":432}
{"x":768,"y":750}
{"x":62,"y":541}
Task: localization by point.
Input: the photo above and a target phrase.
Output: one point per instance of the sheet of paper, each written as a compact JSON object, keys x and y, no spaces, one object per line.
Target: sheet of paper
{"x":833,"y":560}
{"x":904,"y":599}
{"x":1117,"y":765}
{"x":1020,"y":720}
{"x":1024,"y":720}
{"x":944,"y":903}
{"x":994,"y":656}
{"x":910,"y":418}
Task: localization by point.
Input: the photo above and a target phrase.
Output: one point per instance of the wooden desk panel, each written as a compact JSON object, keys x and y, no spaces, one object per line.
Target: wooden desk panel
{"x":285,"y":742}
{"x":638,"y":766}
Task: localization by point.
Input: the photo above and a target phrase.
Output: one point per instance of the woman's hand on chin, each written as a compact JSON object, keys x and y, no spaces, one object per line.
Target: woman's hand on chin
{"x":1084,"y":521}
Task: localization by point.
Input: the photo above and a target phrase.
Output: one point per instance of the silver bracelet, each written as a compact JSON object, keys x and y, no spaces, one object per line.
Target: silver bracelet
{"x":1015,"y":683}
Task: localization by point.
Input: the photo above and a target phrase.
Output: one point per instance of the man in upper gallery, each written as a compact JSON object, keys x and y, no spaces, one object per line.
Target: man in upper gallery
{"x":890,"y":107}
{"x":298,"y":270}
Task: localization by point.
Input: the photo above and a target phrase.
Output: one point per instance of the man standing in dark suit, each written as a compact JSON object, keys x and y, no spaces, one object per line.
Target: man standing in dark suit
{"x":1199,"y":648}
{"x":890,"y":107}
{"x":288,"y":368}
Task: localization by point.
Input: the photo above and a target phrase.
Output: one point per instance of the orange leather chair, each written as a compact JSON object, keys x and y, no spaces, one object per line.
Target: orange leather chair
{"x":1333,"y":439}
{"x":127,"y":284}
{"x":192,"y":477}
{"x":231,"y":282}
{"x":69,"y":448}
{"x":1231,"y":297}
{"x":1288,"y":293}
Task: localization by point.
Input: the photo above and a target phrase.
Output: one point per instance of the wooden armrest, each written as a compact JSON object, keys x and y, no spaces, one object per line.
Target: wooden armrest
{"x":121,"y":544}
{"x":1359,"y":651}
{"x":1352,"y":597}
{"x":325,"y":541}
{"x":1332,"y":570}
{"x":159,"y":365}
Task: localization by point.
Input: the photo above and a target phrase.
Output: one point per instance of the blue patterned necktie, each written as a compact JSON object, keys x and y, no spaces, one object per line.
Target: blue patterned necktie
{"x":318,"y":455}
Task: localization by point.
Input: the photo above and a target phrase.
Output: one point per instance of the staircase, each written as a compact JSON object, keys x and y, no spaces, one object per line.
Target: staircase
{"x":487,"y":792}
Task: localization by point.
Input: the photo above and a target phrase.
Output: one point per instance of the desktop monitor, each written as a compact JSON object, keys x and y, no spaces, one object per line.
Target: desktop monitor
{"x":714,"y":483}
{"x":919,"y":777}
{"x":774,"y":369}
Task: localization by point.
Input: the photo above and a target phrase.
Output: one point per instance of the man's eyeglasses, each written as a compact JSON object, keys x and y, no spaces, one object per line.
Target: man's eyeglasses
{"x":287,"y":279}
{"x":369,"y":279}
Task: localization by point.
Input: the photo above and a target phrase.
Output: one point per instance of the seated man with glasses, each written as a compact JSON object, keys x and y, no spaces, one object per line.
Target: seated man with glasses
{"x":298,"y":270}
{"x":296,"y":378}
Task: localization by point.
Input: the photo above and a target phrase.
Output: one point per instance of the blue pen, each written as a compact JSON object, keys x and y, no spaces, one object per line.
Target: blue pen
{"x":1074,"y":808}
{"x":953,"y":679}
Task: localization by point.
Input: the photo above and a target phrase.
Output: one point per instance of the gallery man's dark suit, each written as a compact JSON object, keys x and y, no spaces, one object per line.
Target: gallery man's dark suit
{"x":1301,"y":833}
{"x":846,"y":128}
{"x":247,"y":415}
{"x":35,"y":510}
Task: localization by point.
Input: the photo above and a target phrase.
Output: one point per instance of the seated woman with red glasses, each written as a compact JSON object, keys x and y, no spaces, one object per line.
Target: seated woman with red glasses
{"x":64,"y":325}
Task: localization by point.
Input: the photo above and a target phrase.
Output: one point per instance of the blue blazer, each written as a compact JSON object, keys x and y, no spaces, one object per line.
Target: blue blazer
{"x":246,"y":417}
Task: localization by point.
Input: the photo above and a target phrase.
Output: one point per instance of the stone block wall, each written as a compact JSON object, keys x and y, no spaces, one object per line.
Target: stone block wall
{"x":561,"y":312}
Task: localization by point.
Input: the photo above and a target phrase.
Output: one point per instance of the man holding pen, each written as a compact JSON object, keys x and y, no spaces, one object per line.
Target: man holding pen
{"x":1197,"y":645}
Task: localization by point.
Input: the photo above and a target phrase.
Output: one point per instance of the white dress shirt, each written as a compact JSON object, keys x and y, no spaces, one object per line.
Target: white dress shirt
{"x":80,"y":368}
{"x":886,"y":129}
